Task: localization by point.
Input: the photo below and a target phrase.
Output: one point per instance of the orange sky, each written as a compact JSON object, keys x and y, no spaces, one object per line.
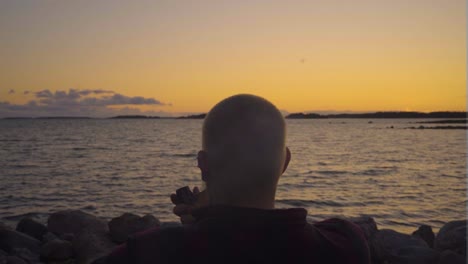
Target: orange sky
{"x":362,"y":55}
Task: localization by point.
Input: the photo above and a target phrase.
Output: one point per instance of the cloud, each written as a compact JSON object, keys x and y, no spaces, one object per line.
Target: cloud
{"x":74,"y":102}
{"x":118,"y":99}
{"x":26,"y":92}
{"x":11,"y":91}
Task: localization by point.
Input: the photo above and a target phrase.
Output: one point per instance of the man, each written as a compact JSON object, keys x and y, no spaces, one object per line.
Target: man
{"x":234,"y":220}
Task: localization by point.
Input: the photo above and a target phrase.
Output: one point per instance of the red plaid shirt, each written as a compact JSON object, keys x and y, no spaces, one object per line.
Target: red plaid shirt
{"x":224,"y":234}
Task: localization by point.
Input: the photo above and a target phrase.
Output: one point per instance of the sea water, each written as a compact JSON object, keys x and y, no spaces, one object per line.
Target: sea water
{"x":340,"y":167}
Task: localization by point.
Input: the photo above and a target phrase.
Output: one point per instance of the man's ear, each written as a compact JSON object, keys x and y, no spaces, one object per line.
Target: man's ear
{"x":287,"y":160}
{"x":202,"y":159}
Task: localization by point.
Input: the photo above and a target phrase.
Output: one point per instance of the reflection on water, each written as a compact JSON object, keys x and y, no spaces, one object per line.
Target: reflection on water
{"x":339,"y":167}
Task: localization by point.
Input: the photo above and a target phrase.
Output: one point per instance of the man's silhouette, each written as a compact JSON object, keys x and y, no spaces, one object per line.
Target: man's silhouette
{"x":234,"y":221}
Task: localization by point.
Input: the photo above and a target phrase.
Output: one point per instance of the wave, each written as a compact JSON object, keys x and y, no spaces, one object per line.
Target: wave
{"x":329,"y":172}
{"x":306,"y":203}
{"x":180,"y":155}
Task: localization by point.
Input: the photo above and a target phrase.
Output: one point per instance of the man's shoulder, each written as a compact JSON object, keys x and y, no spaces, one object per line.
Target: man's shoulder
{"x":338,"y":225}
{"x":346,"y":237}
{"x":146,"y":246}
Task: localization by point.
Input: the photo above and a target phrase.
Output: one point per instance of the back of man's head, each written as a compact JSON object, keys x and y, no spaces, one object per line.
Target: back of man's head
{"x":244,"y":140}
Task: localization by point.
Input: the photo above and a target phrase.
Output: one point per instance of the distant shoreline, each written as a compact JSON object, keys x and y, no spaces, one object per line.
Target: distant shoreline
{"x":375,"y":115}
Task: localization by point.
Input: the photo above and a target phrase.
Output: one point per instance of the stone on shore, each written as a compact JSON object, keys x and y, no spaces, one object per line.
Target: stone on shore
{"x":3,"y":256}
{"x":57,"y":250}
{"x":450,"y":257}
{"x":15,"y":260}
{"x":367,"y":225}
{"x":415,"y":255}
{"x":452,"y":236}
{"x":9,"y":240}
{"x":388,"y":245}
{"x":75,"y":221}
{"x":4,"y":226}
{"x":89,"y":245}
{"x":32,"y":228}
{"x":49,"y":236}
{"x":25,"y":254}
{"x":425,"y":233}
{"x":123,"y":226}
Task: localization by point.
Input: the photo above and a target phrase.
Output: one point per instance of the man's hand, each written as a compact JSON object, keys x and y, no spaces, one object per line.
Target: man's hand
{"x":184,"y":211}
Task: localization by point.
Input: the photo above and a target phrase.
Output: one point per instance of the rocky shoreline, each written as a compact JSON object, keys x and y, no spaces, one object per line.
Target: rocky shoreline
{"x":73,"y":236}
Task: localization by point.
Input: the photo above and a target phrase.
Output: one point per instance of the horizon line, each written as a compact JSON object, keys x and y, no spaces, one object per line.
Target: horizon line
{"x":202,"y":115}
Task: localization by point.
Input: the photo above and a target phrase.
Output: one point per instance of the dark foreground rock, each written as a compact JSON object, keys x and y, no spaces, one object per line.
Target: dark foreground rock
{"x":394,"y":247}
{"x":26,"y":254}
{"x":415,"y":255}
{"x":32,"y":228}
{"x":425,"y":233}
{"x":57,"y":250}
{"x":452,"y":236}
{"x":15,"y":260}
{"x":123,"y":226}
{"x":76,"y":237}
{"x":89,"y":246}
{"x":450,"y":257}
{"x":10,"y":240}
{"x":367,"y":225}
{"x":75,"y":221}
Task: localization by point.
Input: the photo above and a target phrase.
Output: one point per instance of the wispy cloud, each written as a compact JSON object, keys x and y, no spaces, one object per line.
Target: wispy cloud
{"x":74,"y":102}
{"x":11,"y":91}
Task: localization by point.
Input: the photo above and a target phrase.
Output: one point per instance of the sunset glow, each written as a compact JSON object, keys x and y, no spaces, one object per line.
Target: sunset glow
{"x":302,"y":55}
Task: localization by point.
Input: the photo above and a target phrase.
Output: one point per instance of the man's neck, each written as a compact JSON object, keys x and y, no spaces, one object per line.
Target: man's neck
{"x":259,"y":203}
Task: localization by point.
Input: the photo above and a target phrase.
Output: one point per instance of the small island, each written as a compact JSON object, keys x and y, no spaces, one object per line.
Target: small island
{"x":381,"y":115}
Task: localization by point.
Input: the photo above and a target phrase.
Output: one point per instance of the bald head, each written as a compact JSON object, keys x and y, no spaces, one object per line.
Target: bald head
{"x":244,"y":144}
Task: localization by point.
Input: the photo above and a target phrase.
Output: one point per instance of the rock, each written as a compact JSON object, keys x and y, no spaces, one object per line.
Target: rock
{"x":3,"y":226}
{"x":415,"y":255}
{"x":450,"y":257}
{"x":75,"y":221}
{"x":3,"y":257}
{"x":15,"y":260}
{"x":57,"y":250}
{"x":10,"y":239}
{"x":425,"y":233}
{"x":89,"y":246}
{"x":123,"y":226}
{"x":25,"y":254}
{"x":31,"y":228}
{"x":452,"y":236}
{"x":367,"y":224}
{"x":68,"y":237}
{"x":49,"y":236}
{"x":387,"y":244}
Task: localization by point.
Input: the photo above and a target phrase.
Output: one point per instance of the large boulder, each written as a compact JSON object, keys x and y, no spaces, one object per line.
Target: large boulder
{"x":57,"y":250}
{"x":367,"y":225}
{"x":452,"y":236}
{"x":450,"y":257}
{"x":387,"y":244}
{"x":75,"y":221}
{"x":32,"y":228}
{"x":3,"y":257}
{"x":9,"y":240}
{"x":425,"y":233}
{"x":15,"y":260}
{"x":89,"y":246}
{"x":415,"y":255}
{"x":25,"y":254}
{"x":123,"y":226}
{"x":3,"y":226}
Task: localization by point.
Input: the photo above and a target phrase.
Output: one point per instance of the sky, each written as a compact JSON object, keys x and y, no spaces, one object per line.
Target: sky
{"x":102,"y":58}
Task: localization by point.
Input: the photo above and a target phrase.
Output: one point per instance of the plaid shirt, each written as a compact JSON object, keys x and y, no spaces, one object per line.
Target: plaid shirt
{"x":225,"y":234}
